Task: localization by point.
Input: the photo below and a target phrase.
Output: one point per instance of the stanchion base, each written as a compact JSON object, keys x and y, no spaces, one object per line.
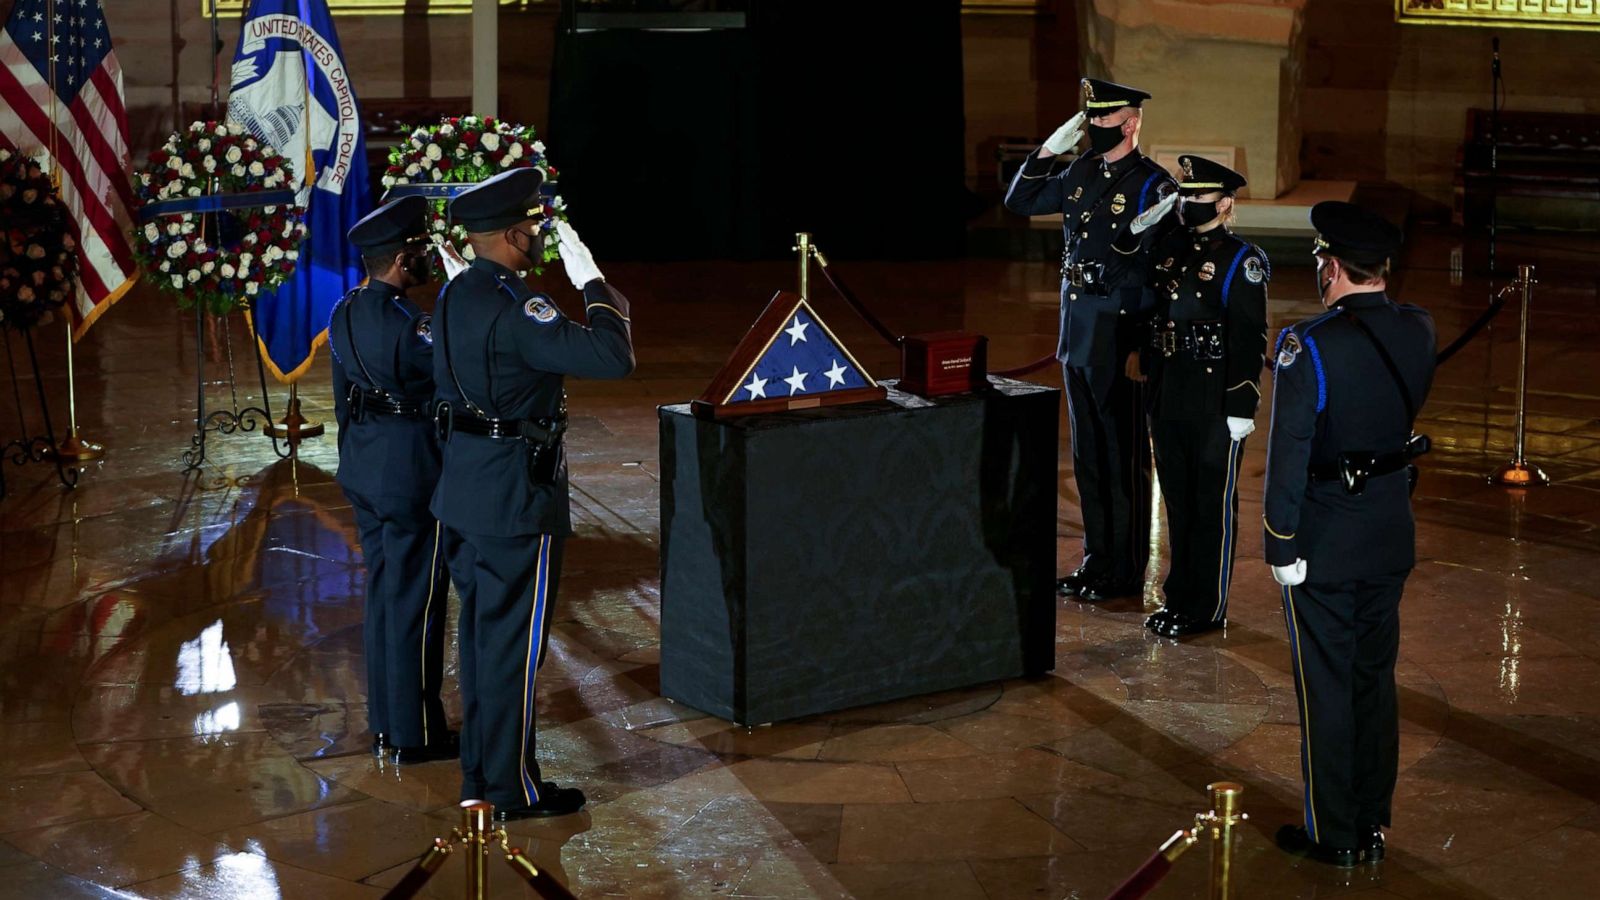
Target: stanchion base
{"x":77,"y":450}
{"x":294,"y":427}
{"x":1520,"y":475}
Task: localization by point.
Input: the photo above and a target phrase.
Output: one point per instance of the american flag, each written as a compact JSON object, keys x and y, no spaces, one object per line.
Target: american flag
{"x":83,"y":126}
{"x":802,"y":358}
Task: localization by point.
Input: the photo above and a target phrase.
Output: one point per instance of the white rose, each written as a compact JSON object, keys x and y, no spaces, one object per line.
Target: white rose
{"x":226,"y":271}
{"x":434,"y":153}
{"x":249,"y":238}
{"x":200,"y":246}
{"x":538,"y":147}
{"x":210,"y":163}
{"x":193,"y":276}
{"x":222,"y":131}
{"x":244,"y":261}
{"x":204,"y":145}
{"x":151,"y":232}
{"x":238,"y":171}
{"x":515,"y":150}
{"x":491,"y":141}
{"x":196,"y":125}
{"x":144,"y":178}
{"x":477,"y":159}
{"x":186,"y":171}
{"x":174,"y":163}
{"x":506,"y":161}
{"x":257,"y":169}
{"x":250,"y":144}
{"x":269,"y":210}
{"x":272,"y":252}
{"x":413,"y":170}
{"x":188,"y":227}
{"x":208,"y":267}
{"x":166,"y":265}
{"x":235,"y":129}
{"x":177,"y":281}
{"x":194,"y":191}
{"x":234,"y":154}
{"x":250,"y":287}
{"x":173,"y":228}
{"x":177,"y":249}
{"x":461,"y":151}
{"x":292,"y":255}
{"x":438,"y":224}
{"x":387,"y":181}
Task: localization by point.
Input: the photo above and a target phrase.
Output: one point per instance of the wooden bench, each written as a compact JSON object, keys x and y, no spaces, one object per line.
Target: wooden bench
{"x":1543,"y":156}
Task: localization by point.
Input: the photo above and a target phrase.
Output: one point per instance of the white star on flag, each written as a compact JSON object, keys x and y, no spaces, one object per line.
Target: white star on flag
{"x":797,"y":381}
{"x":836,"y":374}
{"x":797,"y":333}
{"x":757,"y":386}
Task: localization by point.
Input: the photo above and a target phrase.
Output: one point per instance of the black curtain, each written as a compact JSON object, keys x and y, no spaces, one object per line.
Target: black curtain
{"x":839,"y":118}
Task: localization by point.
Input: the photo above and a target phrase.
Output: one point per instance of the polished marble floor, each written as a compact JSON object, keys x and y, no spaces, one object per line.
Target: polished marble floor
{"x":181,"y":688}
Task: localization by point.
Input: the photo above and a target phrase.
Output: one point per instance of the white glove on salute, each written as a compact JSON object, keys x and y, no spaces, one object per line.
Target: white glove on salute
{"x":1144,"y":221}
{"x":576,"y":257}
{"x":1240,"y":428}
{"x":1291,"y":575}
{"x":453,"y":263}
{"x":1067,"y":136}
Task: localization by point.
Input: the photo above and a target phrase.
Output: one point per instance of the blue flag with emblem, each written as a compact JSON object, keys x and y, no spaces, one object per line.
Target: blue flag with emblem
{"x":802,"y":358}
{"x":290,"y":88}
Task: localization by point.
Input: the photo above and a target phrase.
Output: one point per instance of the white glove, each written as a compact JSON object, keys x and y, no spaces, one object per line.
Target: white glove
{"x":1240,"y":428}
{"x":1148,"y":218}
{"x":575,"y":256}
{"x":1067,"y":136}
{"x":453,"y":263}
{"x":1289,"y":576}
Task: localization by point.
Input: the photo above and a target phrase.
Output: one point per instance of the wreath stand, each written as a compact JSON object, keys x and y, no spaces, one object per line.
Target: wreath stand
{"x":30,"y":447}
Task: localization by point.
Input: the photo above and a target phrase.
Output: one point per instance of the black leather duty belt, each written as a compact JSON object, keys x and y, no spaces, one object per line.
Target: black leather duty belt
{"x":1201,"y":341}
{"x":374,"y":402}
{"x":1355,"y":469}
{"x":545,"y":432}
{"x":1089,"y":277}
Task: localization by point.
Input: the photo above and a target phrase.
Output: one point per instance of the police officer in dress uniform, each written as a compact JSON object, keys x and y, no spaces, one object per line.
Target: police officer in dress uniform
{"x":1098,"y":196}
{"x":388,"y":466}
{"x":503,"y":354}
{"x":1339,"y":532}
{"x":1208,"y":297}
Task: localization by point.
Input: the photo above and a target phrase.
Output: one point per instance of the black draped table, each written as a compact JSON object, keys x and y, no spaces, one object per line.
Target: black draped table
{"x":827,"y":558}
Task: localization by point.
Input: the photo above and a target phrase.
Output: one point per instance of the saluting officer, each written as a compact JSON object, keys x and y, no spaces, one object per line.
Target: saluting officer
{"x":1098,"y":196}
{"x":504,"y":352}
{"x":1339,"y":531}
{"x":388,"y":467}
{"x":1208,"y":337}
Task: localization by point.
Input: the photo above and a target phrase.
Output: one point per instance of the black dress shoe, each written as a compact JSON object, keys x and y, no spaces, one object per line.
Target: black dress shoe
{"x":1294,"y":840}
{"x":449,"y":748}
{"x":1179,"y":625}
{"x":1108,"y":589}
{"x":1068,"y":585}
{"x":380,"y":744}
{"x":1158,"y":619}
{"x":553,"y":801}
{"x":1372,"y":844}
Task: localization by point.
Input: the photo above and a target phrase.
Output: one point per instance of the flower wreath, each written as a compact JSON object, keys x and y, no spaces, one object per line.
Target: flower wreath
{"x":38,"y":262}
{"x":470,"y":149}
{"x":227,"y":257}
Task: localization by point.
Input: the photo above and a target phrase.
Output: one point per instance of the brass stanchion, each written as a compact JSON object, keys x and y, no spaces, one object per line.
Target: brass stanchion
{"x":804,"y":245}
{"x":543,"y":883}
{"x":1224,"y":815}
{"x":1519,"y":472}
{"x":477,"y":832}
{"x":294,"y":427}
{"x":421,"y":872}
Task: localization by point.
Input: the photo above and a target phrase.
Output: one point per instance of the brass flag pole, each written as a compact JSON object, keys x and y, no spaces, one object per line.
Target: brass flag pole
{"x":72,"y":448}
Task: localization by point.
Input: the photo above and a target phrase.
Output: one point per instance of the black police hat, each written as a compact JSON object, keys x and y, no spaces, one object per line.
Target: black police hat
{"x":1202,"y":176}
{"x":1346,"y":231}
{"x":391,"y":226}
{"x":500,"y":202}
{"x":1102,"y":98}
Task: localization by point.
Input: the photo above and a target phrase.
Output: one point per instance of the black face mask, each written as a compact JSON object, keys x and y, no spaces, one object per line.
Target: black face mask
{"x":1196,"y":214}
{"x":535,"y":249}
{"x":1102,"y":138}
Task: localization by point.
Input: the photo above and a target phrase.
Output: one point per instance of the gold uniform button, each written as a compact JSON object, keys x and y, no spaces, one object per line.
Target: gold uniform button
{"x":1174,"y":295}
{"x":1085,"y":234}
{"x":1072,"y":296}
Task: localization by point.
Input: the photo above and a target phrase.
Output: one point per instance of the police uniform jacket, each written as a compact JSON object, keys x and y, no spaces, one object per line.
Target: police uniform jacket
{"x":1333,"y":394}
{"x":1097,"y":201}
{"x":1208,"y":291}
{"x":384,"y":456}
{"x":511,"y":349}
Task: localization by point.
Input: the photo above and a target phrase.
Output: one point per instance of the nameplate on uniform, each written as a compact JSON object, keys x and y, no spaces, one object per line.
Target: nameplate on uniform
{"x":944,"y":362}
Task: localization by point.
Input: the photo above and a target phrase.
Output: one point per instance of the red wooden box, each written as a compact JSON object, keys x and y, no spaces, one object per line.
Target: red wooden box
{"x":944,"y":362}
